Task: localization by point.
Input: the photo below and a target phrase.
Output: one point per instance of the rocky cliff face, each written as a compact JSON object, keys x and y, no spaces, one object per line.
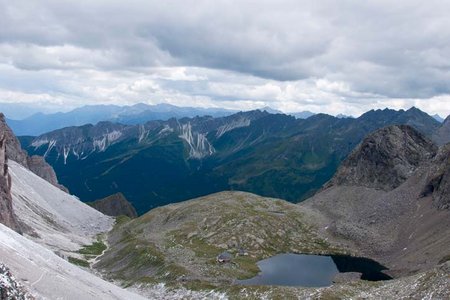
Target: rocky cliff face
{"x":389,"y":200}
{"x":438,"y":179}
{"x":385,"y":158}
{"x":115,"y":205}
{"x":13,"y":149}
{"x":34,"y":163}
{"x":78,"y":143}
{"x":7,"y":216}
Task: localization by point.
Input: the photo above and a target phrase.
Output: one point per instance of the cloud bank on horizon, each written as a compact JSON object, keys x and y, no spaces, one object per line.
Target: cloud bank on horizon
{"x":323,"y":56}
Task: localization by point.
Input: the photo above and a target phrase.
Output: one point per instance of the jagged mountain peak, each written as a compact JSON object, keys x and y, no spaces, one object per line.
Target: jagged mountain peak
{"x":385,"y":158}
{"x":438,"y":118}
{"x":381,"y":111}
{"x":82,"y":141}
{"x":270,"y":110}
{"x":250,"y":114}
{"x":414,"y":109}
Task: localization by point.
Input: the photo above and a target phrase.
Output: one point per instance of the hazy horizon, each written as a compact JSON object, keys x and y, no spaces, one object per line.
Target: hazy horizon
{"x":25,"y":110}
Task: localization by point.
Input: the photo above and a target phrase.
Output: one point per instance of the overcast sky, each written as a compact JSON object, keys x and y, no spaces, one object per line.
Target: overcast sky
{"x":333,"y":56}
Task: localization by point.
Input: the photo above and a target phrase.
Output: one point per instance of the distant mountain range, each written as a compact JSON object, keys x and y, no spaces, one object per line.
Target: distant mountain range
{"x":40,"y":123}
{"x":19,"y":111}
{"x":25,"y":120}
{"x":161,"y":162}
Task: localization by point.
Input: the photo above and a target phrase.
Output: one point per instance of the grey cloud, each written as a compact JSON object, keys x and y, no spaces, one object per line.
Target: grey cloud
{"x":379,"y":49}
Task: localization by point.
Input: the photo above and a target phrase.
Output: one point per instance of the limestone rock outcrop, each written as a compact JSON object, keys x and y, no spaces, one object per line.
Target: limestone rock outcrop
{"x":7,"y":216}
{"x":35,"y":164}
{"x":385,"y":158}
{"x":115,"y":205}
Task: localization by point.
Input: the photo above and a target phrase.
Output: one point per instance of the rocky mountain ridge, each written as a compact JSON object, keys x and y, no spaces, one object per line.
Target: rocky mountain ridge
{"x":273,"y":155}
{"x":389,"y":216}
{"x":77,"y":143}
{"x":40,"y":123}
{"x":385,"y":158}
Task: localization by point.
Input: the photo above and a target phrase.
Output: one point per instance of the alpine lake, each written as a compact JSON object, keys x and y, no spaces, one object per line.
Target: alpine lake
{"x":313,"y":270}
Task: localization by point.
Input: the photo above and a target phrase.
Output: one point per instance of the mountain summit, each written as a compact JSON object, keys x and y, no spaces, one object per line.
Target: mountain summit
{"x":385,"y":158}
{"x":387,"y":197}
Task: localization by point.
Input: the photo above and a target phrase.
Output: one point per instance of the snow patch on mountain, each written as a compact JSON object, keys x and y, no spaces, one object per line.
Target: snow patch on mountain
{"x":241,"y":122}
{"x":199,"y":145}
{"x":60,"y":221}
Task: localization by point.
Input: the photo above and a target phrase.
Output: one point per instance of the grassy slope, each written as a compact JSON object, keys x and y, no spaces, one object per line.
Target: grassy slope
{"x":179,"y":243}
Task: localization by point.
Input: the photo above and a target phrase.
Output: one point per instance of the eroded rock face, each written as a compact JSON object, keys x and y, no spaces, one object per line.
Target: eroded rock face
{"x":388,"y":200}
{"x":7,"y":216}
{"x":115,"y":205}
{"x":35,"y":164}
{"x":13,"y":149}
{"x":438,"y":181}
{"x":385,"y":158}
